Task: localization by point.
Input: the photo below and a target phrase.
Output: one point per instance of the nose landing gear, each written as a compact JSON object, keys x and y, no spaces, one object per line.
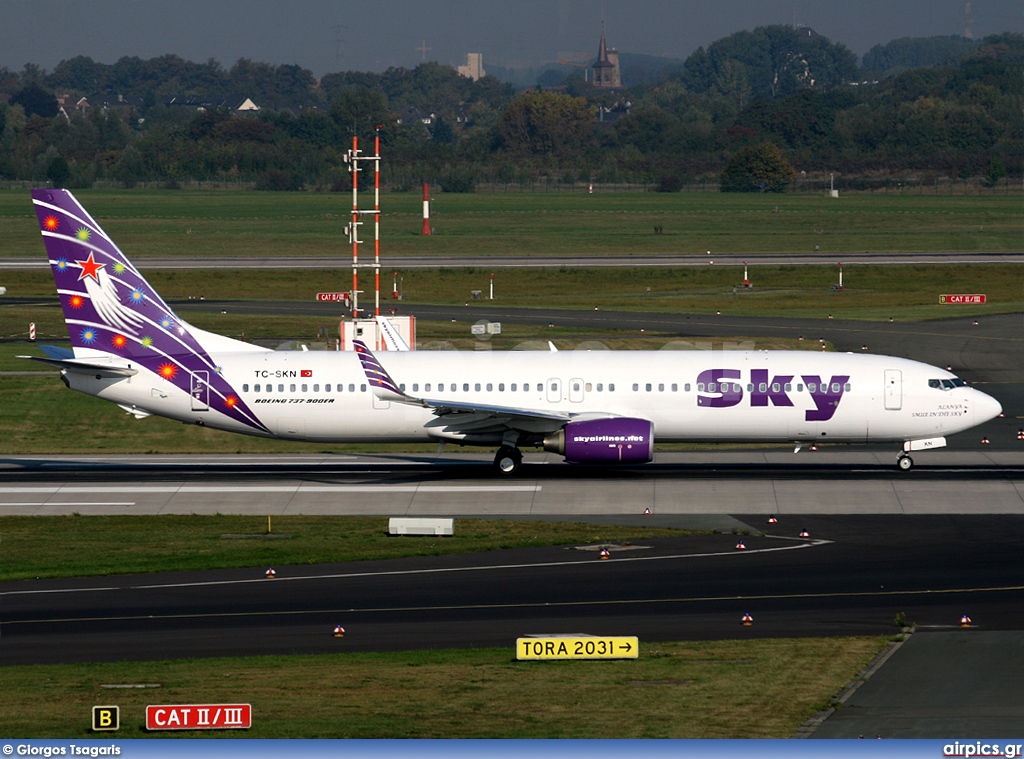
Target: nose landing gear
{"x":904,"y":462}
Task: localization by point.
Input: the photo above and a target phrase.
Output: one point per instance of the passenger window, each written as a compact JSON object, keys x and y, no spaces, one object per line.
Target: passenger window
{"x":835,"y":387}
{"x":280,"y":388}
{"x":636,"y":387}
{"x":327,"y":388}
{"x":490,"y":387}
{"x":686,"y":387}
{"x":476,"y":387}
{"x":304,"y":388}
{"x":351,"y":388}
{"x":812,"y":387}
{"x":800,"y":388}
{"x":415,"y":387}
{"x":362,"y":388}
{"x":501,"y":387}
{"x":588,"y":387}
{"x":426,"y":388}
{"x":245,"y":388}
{"x":675,"y":388}
{"x":611,"y":387}
{"x":401,"y":386}
{"x":847,"y":387}
{"x":291,"y":388}
{"x":512,"y":387}
{"x":316,"y":388}
{"x":465,"y":387}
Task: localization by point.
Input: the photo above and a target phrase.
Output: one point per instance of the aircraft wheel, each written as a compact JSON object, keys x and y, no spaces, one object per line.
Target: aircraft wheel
{"x":507,"y":460}
{"x":905,"y":463}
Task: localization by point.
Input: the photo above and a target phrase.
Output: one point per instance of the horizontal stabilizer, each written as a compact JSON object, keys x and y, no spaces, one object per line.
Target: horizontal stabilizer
{"x":105,"y":371}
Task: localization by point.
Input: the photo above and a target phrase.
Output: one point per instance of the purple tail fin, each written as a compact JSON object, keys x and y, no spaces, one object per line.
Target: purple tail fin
{"x":112,"y":312}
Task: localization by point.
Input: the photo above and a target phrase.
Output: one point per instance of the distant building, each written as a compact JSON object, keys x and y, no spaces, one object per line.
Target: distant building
{"x":474,"y":68}
{"x":606,"y":68}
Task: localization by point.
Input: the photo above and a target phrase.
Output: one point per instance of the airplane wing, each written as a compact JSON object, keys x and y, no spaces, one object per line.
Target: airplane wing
{"x":457,"y":416}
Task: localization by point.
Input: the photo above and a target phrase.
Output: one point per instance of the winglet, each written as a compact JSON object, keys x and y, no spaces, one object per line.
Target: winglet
{"x":381,"y":382}
{"x":392,"y":339}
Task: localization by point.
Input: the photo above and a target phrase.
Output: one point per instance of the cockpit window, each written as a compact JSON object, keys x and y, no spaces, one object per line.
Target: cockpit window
{"x":946,"y":384}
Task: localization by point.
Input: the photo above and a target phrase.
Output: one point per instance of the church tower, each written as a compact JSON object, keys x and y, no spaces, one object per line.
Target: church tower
{"x":606,"y":67}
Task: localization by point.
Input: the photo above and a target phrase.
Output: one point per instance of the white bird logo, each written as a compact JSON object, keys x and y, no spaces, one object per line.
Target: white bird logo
{"x":102,"y":291}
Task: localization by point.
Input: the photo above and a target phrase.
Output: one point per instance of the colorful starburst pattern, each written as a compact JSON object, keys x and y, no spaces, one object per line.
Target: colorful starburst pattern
{"x":51,"y":223}
{"x":88,"y":335}
{"x":167,"y":322}
{"x":76,"y":301}
{"x":147,"y":342}
{"x":83,"y":234}
{"x":231,"y":401}
{"x":61,"y":264}
{"x":168,"y":371}
{"x":119,"y":341}
{"x":120,"y":268}
{"x":137,"y":296}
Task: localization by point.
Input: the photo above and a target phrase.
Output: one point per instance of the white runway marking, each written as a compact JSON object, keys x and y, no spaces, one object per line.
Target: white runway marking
{"x":405,"y":572}
{"x":298,"y":488}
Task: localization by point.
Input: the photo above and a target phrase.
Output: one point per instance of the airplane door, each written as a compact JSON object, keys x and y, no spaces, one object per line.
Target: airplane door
{"x":201,"y":391}
{"x":554,"y":388}
{"x":576,"y":390}
{"x":893,"y":389}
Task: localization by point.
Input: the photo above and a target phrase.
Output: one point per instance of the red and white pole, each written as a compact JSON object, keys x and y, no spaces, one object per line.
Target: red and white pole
{"x":426,"y":209}
{"x":376,"y":222}
{"x":394,"y":287}
{"x":355,"y":228}
{"x":492,"y":285}
{"x":746,"y":279}
{"x":32,"y":330}
{"x":840,"y":275}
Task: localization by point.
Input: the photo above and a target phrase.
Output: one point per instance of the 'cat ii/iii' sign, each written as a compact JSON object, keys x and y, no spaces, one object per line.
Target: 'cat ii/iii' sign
{"x":578,"y":647}
{"x":963,"y":299}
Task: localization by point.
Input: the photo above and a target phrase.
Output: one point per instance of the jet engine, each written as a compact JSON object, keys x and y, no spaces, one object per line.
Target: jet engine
{"x":615,"y":440}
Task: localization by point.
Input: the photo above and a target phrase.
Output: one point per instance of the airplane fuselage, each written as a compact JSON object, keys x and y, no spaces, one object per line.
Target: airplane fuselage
{"x":788,"y":396}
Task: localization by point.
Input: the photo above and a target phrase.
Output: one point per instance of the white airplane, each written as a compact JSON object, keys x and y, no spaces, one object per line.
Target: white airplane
{"x":603,"y":408}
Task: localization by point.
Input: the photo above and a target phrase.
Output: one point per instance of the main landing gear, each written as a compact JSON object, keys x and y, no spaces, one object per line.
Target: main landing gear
{"x":507,"y":460}
{"x":904,"y":462}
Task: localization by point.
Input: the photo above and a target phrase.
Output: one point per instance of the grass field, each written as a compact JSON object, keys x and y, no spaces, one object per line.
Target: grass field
{"x":37,"y":547}
{"x":759,"y":688}
{"x":240,"y":223}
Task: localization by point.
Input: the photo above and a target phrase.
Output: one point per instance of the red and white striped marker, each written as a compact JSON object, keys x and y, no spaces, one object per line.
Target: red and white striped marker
{"x":32,"y":331}
{"x":426,"y":209}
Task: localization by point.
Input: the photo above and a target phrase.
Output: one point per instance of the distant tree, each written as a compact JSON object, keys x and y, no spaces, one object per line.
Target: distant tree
{"x":358,"y":110}
{"x":994,"y":172}
{"x":545,"y":122}
{"x":761,"y":168}
{"x":777,"y":60}
{"x":58,"y":171}
{"x":36,"y":101}
{"x":130,"y":168}
{"x":918,"y":52}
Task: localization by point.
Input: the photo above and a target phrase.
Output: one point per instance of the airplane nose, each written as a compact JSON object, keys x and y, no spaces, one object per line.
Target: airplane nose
{"x":986,"y":407}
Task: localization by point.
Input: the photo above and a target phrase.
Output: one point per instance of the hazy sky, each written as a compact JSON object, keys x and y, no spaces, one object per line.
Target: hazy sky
{"x":371,"y":35}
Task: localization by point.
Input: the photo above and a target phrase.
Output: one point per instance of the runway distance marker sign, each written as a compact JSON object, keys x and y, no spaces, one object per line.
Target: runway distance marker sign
{"x":199,"y":717}
{"x":579,"y":647}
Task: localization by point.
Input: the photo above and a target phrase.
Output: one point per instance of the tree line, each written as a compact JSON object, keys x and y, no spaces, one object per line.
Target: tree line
{"x":773,"y":99}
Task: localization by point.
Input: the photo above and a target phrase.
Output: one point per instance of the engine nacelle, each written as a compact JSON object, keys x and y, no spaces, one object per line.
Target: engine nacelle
{"x":618,"y":440}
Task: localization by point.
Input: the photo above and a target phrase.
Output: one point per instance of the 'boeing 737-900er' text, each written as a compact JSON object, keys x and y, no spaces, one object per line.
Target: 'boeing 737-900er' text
{"x":130,"y":348}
